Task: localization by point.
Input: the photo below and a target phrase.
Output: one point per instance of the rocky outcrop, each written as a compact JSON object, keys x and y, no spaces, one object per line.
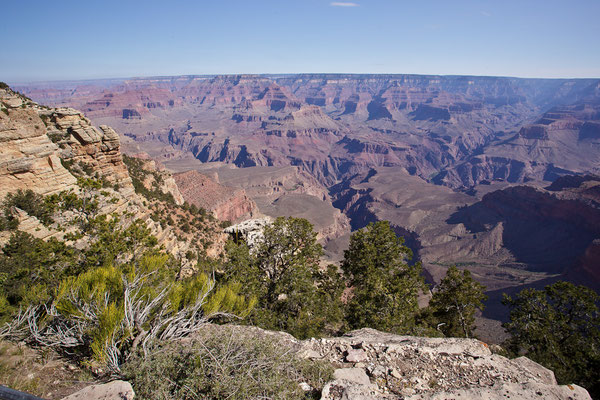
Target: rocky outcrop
{"x":155,"y":175}
{"x":115,"y":390}
{"x":99,"y":148}
{"x":535,"y":132}
{"x":250,"y":231}
{"x":37,"y":143}
{"x":28,"y":158}
{"x":377,"y":365}
{"x":227,"y":204}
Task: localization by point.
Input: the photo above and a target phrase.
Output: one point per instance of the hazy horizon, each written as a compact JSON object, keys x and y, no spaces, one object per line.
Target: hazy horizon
{"x":124,"y":78}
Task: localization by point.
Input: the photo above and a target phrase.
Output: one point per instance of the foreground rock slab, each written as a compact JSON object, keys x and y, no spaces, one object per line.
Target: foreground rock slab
{"x":377,"y":365}
{"x":115,"y":390}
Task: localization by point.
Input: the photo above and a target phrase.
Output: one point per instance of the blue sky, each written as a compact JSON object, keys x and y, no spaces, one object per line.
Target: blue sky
{"x":64,"y":39}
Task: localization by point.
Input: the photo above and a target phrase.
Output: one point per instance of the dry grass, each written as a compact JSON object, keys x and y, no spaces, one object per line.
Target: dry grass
{"x":38,"y":372}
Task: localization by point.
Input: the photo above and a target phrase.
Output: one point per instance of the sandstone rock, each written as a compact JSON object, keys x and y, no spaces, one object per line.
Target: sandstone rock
{"x":28,"y":158}
{"x":545,"y":375}
{"x":115,"y":390}
{"x":249,"y":230}
{"x":433,"y":368}
{"x":356,"y":355}
{"x":354,"y":375}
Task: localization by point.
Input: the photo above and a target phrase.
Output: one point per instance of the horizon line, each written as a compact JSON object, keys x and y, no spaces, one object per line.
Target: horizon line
{"x":266,"y":74}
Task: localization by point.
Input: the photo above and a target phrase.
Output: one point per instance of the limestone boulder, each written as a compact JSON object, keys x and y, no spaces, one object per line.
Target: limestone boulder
{"x":115,"y":390}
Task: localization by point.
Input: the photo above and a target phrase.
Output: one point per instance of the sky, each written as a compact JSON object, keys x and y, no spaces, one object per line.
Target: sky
{"x":89,"y":39}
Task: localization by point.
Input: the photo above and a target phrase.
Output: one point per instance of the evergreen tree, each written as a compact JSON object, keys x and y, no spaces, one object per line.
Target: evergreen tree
{"x":30,"y":270}
{"x":384,"y":286}
{"x":454,"y":303}
{"x":294,"y":294}
{"x":559,"y":327}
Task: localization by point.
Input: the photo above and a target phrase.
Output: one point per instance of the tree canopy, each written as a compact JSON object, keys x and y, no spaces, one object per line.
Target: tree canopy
{"x":294,"y":293}
{"x":454,"y":303}
{"x":559,"y":327}
{"x":384,"y":286}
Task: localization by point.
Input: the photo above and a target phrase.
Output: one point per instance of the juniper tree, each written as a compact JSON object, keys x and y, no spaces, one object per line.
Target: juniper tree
{"x":384,"y":286}
{"x":294,"y":293}
{"x":455,"y":301}
{"x":559,"y":327}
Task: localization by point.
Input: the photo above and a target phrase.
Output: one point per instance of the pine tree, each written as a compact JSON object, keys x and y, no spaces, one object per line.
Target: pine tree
{"x":384,"y":286}
{"x":559,"y":327}
{"x":454,"y":303}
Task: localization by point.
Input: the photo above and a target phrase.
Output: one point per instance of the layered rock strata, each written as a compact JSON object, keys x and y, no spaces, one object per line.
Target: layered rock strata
{"x":227,"y":204}
{"x":38,"y":142}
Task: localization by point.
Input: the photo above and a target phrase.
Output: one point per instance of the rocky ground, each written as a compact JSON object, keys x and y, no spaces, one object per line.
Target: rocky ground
{"x":375,"y":365}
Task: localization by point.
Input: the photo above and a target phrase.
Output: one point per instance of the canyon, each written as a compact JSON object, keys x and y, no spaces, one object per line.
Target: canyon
{"x":463,"y":167}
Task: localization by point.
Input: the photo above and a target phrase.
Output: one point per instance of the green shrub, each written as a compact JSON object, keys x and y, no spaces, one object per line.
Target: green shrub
{"x":30,"y":270}
{"x":30,"y":202}
{"x":225,"y":363}
{"x":107,"y":312}
{"x":559,"y":327}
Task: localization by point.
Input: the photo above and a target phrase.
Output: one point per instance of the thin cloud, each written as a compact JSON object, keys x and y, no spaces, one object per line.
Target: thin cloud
{"x":343,"y":4}
{"x":486,"y":13}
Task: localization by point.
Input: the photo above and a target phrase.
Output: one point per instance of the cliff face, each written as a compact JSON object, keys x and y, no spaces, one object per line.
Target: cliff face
{"x":153,"y":175}
{"x":464,"y":129}
{"x":39,"y":142}
{"x":226,"y":203}
{"x":29,"y":159}
{"x":563,"y":140}
{"x":80,"y":142}
{"x":288,"y":191}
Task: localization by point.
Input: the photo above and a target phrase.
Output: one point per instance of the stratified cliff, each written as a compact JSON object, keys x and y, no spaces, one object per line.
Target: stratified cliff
{"x":457,"y":130}
{"x":46,"y":149}
{"x":28,"y":158}
{"x":227,"y":204}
